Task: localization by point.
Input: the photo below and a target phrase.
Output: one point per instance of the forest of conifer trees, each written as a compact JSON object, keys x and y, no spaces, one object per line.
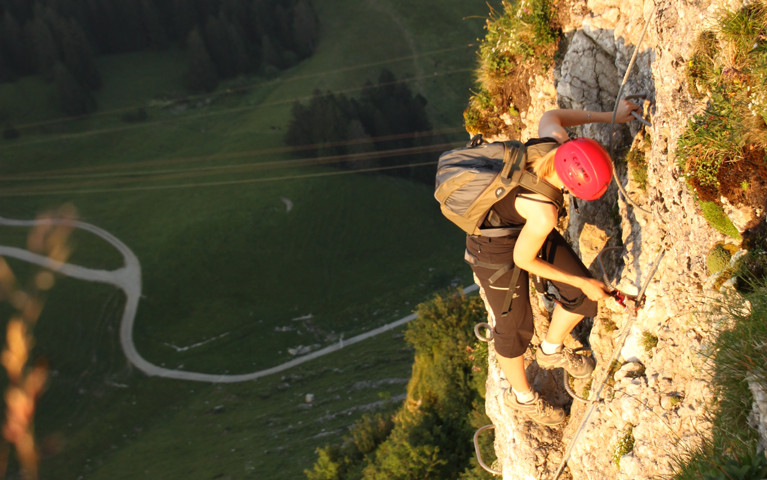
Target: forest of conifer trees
{"x":60,"y":39}
{"x":387,"y":116}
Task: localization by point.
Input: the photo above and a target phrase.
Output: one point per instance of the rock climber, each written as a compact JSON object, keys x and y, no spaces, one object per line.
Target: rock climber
{"x":582,"y":167}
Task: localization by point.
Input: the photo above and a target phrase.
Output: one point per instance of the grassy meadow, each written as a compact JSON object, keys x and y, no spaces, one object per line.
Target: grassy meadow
{"x":200,"y":192}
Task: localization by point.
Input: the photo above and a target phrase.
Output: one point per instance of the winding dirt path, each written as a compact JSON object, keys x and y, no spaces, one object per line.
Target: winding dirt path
{"x":128,"y":279}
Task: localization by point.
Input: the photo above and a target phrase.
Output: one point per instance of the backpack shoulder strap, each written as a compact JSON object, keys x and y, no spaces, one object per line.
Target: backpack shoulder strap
{"x":531,"y":182}
{"x":514,"y":158}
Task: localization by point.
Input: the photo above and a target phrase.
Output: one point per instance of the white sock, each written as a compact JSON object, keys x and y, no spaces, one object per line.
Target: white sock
{"x":549,"y":348}
{"x":524,"y":397}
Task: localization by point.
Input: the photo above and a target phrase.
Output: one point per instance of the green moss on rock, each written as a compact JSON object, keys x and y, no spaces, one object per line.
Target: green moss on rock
{"x":718,"y":259}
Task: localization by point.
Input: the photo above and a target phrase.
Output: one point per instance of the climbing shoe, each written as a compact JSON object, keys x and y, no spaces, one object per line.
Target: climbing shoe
{"x":538,"y":409}
{"x":579,"y":366}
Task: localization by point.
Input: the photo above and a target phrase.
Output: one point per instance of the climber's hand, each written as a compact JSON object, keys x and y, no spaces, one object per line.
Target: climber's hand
{"x":594,"y":289}
{"x":625,"y":108}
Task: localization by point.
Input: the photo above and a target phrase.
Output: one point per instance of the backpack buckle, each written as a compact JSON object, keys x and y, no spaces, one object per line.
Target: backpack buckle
{"x":476,"y":140}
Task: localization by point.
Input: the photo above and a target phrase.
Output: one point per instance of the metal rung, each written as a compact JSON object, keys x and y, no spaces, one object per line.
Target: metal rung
{"x":483,"y":338}
{"x":479,"y":455}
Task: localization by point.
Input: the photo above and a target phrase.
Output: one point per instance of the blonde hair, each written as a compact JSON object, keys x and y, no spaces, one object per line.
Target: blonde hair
{"x":543,"y":166}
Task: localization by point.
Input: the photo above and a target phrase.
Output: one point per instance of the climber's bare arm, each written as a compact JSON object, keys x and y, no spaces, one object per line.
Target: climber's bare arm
{"x":541,"y":220}
{"x":553,"y":122}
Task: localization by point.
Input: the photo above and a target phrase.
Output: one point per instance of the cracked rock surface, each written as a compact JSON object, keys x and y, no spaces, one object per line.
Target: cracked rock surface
{"x":657,"y":391}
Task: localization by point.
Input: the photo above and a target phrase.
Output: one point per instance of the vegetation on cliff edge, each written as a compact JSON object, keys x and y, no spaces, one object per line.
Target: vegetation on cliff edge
{"x":430,"y":436}
{"x":520,"y":43}
{"x":739,"y":364}
{"x":723,"y":150}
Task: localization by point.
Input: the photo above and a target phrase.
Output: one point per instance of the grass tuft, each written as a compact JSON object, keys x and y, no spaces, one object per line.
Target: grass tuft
{"x":722,"y":150}
{"x":520,"y":42}
{"x":715,"y":216}
{"x":718,"y":258}
{"x":739,"y":357}
{"x":649,"y":340}
{"x":27,"y":378}
{"x":636,"y":158}
{"x":624,"y":446}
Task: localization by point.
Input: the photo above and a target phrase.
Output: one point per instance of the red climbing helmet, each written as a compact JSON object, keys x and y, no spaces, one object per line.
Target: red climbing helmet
{"x":584,"y":167}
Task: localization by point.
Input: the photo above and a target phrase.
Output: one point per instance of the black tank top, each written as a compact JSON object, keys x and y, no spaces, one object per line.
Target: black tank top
{"x":504,"y":213}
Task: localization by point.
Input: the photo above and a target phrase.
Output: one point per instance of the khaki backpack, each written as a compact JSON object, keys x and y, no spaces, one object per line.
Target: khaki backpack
{"x":472,"y":179}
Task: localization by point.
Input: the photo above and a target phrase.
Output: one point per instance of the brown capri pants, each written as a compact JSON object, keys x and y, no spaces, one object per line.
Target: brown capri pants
{"x":514,"y":330}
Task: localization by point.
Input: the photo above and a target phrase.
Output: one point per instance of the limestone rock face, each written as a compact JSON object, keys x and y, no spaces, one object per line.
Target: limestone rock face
{"x":650,"y":376}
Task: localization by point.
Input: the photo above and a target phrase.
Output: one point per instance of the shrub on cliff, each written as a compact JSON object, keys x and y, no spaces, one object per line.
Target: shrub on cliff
{"x":520,"y":42}
{"x":739,"y":362}
{"x":430,"y":436}
{"x":723,"y":150}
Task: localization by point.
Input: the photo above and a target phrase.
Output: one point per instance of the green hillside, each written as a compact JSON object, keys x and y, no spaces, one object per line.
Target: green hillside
{"x":199,"y":190}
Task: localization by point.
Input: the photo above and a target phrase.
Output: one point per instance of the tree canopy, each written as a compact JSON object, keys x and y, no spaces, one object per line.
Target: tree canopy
{"x":386,"y":116}
{"x":239,"y":36}
{"x":430,"y":436}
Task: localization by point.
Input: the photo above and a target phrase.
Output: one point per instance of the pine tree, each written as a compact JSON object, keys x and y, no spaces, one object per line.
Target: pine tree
{"x":242,"y":15}
{"x":152,"y":25}
{"x":97,"y":22}
{"x":21,"y":9}
{"x":73,"y":98}
{"x":12,"y":46}
{"x":44,"y":47}
{"x":329,"y":116}
{"x":429,"y":436}
{"x":216,"y":41}
{"x":205,"y":8}
{"x":185,"y":18}
{"x":390,"y":108}
{"x":323,"y":123}
{"x":361,"y":147}
{"x":326,"y":467}
{"x":243,"y":61}
{"x":299,"y":131}
{"x":201,"y":75}
{"x":128,"y":34}
{"x":269,"y":52}
{"x":282,"y":36}
{"x":77,"y":54}
{"x":305,"y":28}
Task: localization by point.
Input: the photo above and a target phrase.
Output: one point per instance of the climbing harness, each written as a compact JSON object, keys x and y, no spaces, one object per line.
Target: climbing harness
{"x":500,"y":270}
{"x":479,"y":454}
